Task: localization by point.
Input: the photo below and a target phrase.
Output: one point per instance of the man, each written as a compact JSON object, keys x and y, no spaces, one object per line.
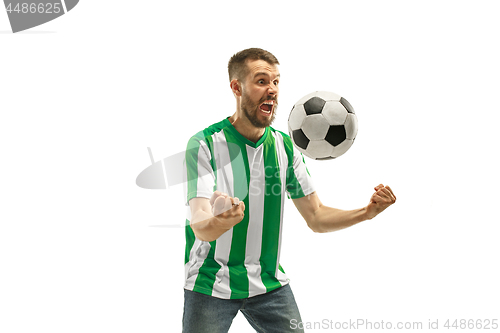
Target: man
{"x":239,"y":171}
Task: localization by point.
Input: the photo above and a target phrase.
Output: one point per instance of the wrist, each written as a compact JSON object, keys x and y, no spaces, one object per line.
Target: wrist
{"x":367,"y":213}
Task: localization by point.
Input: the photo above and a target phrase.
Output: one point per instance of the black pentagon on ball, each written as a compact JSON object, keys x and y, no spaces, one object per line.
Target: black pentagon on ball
{"x":300,"y":138}
{"x":336,"y":135}
{"x":346,"y":104}
{"x":314,"y":105}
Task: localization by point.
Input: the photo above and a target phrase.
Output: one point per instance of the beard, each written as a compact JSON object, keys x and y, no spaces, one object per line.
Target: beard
{"x":251,"y":111}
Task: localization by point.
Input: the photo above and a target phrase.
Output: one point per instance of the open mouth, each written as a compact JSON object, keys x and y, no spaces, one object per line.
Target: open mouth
{"x":267,"y":107}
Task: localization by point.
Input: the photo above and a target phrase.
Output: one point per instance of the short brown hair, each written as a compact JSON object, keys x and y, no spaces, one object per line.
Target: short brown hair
{"x":237,"y":64}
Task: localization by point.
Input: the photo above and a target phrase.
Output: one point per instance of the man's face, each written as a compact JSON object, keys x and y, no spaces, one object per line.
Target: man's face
{"x":260,"y":93}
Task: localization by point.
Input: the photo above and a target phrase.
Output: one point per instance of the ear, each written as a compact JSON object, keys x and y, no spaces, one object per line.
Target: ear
{"x":235,"y":87}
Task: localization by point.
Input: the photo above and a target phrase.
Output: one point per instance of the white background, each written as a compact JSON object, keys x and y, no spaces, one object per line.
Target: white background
{"x":83,"y":249}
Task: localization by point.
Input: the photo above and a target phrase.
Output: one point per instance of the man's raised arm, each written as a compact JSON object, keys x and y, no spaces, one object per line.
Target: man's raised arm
{"x":321,"y":218}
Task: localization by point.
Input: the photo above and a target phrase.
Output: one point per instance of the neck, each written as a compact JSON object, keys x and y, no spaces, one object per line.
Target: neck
{"x":245,"y":128}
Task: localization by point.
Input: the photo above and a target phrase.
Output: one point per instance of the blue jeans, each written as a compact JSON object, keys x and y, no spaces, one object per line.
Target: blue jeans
{"x":267,"y":313}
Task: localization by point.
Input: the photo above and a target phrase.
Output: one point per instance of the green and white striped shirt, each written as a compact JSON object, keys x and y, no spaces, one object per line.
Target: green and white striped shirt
{"x":244,"y":261}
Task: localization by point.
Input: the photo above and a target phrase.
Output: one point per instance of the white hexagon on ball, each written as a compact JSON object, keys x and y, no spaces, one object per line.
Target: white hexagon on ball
{"x":315,"y":127}
{"x":334,"y":112}
{"x":319,"y":148}
{"x":351,"y":126}
{"x":297,"y":116}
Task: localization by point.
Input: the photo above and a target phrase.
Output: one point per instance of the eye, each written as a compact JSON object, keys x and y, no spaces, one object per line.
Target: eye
{"x":276,"y":82}
{"x":261,"y":81}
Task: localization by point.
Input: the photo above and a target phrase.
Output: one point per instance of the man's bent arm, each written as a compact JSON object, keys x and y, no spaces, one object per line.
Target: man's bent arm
{"x":208,"y":227}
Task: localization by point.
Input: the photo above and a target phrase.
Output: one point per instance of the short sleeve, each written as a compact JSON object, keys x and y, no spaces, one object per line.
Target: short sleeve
{"x":299,"y":181}
{"x":200,"y":177}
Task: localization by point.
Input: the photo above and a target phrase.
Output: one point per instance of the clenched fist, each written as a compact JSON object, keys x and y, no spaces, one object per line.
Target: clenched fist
{"x":380,"y":200}
{"x":228,"y":211}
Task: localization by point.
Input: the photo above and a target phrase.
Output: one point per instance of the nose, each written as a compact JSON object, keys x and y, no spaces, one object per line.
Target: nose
{"x":273,"y":89}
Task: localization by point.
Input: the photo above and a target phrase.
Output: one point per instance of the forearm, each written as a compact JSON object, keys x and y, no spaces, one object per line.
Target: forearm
{"x":328,"y":219}
{"x":206,"y":227}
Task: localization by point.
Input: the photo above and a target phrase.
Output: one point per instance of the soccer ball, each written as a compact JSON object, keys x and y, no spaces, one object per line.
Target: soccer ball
{"x":322,"y":125}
